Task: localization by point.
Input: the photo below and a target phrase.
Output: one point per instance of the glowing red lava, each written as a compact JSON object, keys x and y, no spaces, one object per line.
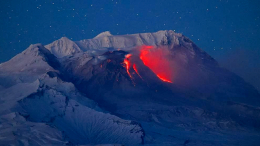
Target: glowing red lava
{"x":155,"y":59}
{"x":127,"y":64}
{"x":163,"y":79}
{"x":135,"y":68}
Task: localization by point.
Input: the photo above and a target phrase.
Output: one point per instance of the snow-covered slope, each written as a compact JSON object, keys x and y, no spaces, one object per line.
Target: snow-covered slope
{"x":70,"y":117}
{"x":33,"y":95}
{"x":127,"y":42}
{"x":84,"y":93}
{"x":36,"y":59}
{"x":103,"y":34}
{"x":63,"y":47}
{"x":27,"y":66}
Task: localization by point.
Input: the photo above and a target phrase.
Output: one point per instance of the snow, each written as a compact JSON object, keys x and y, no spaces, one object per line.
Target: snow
{"x":63,"y":47}
{"x":10,"y":96}
{"x":125,"y":42}
{"x":15,"y":130}
{"x":103,"y":34}
{"x":59,"y":104}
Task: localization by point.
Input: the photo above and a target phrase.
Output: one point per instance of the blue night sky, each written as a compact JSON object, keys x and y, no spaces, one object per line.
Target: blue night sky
{"x":227,"y":29}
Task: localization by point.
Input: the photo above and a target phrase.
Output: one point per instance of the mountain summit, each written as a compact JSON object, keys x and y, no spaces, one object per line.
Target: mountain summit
{"x":103,"y":34}
{"x":139,"y":89}
{"x":63,"y":47}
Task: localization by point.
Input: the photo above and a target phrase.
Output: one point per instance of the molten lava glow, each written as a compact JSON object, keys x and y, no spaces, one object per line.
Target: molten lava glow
{"x":156,"y":60}
{"x":163,"y":79}
{"x":134,"y":67}
{"x":127,"y":64}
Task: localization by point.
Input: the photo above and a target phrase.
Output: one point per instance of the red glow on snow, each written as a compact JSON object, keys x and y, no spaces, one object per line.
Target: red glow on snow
{"x":135,"y":68}
{"x":156,"y":60}
{"x":127,"y":64}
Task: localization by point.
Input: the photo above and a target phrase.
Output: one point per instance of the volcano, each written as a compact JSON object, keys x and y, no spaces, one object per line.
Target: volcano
{"x":139,"y":89}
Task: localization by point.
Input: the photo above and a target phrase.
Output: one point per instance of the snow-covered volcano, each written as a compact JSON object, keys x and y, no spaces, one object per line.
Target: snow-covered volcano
{"x":140,"y":89}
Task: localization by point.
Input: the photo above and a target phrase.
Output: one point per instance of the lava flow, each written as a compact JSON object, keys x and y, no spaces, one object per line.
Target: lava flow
{"x":135,"y":68}
{"x":163,"y":79}
{"x":156,"y":60}
{"x":127,"y":64}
